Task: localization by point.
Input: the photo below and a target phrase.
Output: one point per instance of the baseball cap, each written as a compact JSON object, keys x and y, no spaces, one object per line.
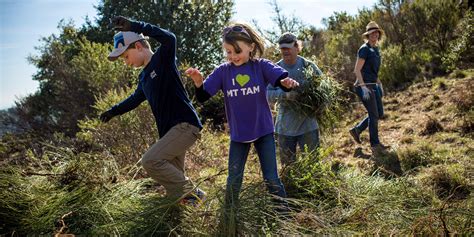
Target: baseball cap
{"x":121,"y":42}
{"x":287,"y":40}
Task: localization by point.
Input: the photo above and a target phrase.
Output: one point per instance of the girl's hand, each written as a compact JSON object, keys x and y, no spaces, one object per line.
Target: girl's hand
{"x":195,"y":75}
{"x":289,"y":83}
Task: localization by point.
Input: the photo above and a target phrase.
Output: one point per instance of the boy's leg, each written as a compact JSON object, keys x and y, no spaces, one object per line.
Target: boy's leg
{"x":195,"y":195}
{"x":178,"y":162}
{"x":159,"y":161}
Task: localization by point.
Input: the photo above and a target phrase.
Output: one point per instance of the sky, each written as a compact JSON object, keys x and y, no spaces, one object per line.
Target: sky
{"x":24,"y":22}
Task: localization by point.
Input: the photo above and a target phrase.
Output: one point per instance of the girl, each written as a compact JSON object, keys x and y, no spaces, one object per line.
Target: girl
{"x":243,"y":80}
{"x":368,"y":86}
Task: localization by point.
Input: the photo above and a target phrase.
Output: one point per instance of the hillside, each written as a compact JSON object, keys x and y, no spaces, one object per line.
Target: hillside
{"x":433,"y":116}
{"x":423,"y":185}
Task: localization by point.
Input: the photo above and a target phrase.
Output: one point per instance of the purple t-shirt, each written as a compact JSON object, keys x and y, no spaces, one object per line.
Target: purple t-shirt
{"x":245,"y":96}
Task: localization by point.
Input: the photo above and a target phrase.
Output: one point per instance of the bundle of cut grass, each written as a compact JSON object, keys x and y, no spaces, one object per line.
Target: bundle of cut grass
{"x":318,"y":97}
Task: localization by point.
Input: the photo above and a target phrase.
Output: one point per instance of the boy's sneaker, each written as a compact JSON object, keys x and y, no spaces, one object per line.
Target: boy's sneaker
{"x":194,"y":199}
{"x":355,"y":134}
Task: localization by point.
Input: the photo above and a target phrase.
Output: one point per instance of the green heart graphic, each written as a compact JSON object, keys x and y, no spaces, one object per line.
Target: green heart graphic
{"x":242,"y":79}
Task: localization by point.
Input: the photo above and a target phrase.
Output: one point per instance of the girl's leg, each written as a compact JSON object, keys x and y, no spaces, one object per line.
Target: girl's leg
{"x":238,"y":154}
{"x":265,"y":147}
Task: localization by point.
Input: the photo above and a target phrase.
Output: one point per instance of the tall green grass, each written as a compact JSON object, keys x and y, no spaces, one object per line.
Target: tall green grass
{"x":325,"y":198}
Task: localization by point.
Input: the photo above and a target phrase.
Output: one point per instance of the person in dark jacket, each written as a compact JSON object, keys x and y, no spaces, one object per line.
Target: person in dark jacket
{"x":160,"y":84}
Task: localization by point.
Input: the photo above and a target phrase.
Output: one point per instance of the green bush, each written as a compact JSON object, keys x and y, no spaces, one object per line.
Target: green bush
{"x":319,"y":97}
{"x":125,"y":137}
{"x":398,"y":69}
{"x":460,"y":51}
{"x":448,"y":181}
{"x":416,"y":156}
{"x":310,"y":178}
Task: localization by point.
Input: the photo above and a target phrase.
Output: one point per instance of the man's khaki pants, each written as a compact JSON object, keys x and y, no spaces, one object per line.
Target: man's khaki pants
{"x":164,"y":161}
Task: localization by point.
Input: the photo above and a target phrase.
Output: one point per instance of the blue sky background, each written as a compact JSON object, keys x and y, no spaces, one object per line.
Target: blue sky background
{"x":24,"y":22}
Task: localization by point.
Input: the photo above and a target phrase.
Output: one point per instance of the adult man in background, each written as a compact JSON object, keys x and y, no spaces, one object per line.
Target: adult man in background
{"x":292,"y":127}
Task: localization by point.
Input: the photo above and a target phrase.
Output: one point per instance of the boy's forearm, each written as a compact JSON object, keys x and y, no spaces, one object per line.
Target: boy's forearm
{"x":129,"y":103}
{"x":163,"y":36}
{"x":166,"y":38}
{"x":202,"y":95}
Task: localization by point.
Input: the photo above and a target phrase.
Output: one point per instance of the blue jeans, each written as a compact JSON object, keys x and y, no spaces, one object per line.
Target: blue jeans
{"x":288,"y":144}
{"x":238,"y":154}
{"x":374,"y":108}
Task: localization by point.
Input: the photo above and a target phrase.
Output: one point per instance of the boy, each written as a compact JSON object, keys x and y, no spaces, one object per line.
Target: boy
{"x":160,"y":84}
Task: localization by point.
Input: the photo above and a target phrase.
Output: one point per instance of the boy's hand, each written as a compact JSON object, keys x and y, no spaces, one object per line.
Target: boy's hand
{"x":195,"y":75}
{"x":289,"y":83}
{"x":106,"y":116}
{"x":120,"y":23}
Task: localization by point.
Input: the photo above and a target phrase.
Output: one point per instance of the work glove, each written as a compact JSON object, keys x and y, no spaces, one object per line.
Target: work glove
{"x":120,"y":23}
{"x":365,"y":93}
{"x":380,"y":88}
{"x":106,"y":116}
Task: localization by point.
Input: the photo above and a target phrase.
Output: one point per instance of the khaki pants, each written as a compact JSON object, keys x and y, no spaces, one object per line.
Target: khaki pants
{"x":164,"y":161}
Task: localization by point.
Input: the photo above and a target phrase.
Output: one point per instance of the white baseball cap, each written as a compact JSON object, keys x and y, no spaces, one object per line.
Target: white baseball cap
{"x":121,"y":42}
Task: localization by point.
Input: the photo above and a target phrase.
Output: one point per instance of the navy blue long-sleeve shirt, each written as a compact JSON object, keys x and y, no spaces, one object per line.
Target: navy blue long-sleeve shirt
{"x":160,"y":84}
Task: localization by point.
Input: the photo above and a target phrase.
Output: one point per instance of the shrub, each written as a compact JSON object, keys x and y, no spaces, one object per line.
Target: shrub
{"x":319,"y":97}
{"x":448,"y":182}
{"x":311,"y":178}
{"x":463,"y":97}
{"x":387,"y":164}
{"x":458,"y":74}
{"x":416,"y":156}
{"x":460,"y":50}
{"x":431,"y":126}
{"x":398,"y":69}
{"x":467,"y":124}
{"x":125,"y":137}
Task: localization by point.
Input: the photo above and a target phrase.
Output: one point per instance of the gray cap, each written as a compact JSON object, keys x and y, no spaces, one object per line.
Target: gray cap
{"x":121,"y":42}
{"x":287,"y":40}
